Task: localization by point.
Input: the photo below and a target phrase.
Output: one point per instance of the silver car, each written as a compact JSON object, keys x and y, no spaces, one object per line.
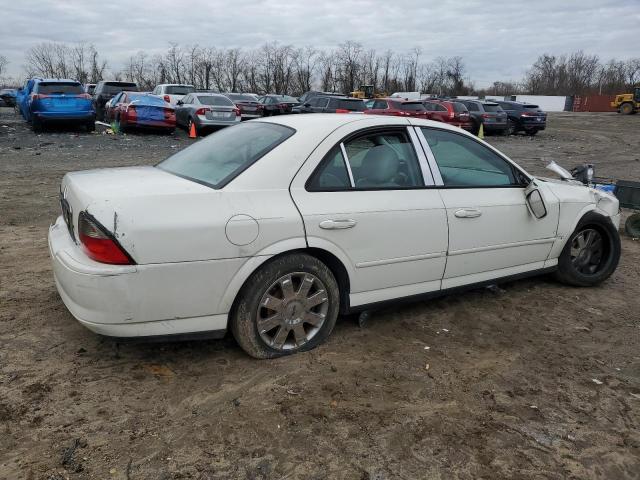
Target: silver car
{"x":206,"y":111}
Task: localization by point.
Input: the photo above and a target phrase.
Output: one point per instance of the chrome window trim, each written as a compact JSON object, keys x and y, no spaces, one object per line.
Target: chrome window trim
{"x":431,"y":159}
{"x":427,"y":174}
{"x":345,"y":158}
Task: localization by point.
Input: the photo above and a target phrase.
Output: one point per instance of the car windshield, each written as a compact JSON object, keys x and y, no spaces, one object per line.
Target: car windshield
{"x":59,"y":87}
{"x":241,"y":98}
{"x":219,"y":158}
{"x":531,"y":107}
{"x":412,"y":107}
{"x":179,"y":89}
{"x":217,"y":101}
{"x":146,"y":99}
{"x":117,"y":87}
{"x":491,"y":107}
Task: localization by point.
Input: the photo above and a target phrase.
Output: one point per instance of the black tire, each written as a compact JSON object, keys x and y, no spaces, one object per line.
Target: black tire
{"x":90,"y":126}
{"x":512,"y":128}
{"x":245,"y":312}
{"x":626,"y":108}
{"x":632,"y":225}
{"x":476,"y":128}
{"x":531,"y":131}
{"x":572,"y":266}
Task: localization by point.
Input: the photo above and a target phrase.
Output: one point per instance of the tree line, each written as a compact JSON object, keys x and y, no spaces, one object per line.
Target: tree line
{"x":276,"y":68}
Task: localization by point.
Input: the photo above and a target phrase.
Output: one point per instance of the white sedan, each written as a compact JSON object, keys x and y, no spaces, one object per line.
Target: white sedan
{"x":273,"y":227}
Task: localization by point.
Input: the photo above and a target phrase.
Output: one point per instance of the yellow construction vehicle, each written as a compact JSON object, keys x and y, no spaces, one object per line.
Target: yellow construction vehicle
{"x":627,"y":103}
{"x":367,"y":91}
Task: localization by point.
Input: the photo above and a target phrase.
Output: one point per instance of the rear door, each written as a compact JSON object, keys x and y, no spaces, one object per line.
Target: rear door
{"x":366,"y":194}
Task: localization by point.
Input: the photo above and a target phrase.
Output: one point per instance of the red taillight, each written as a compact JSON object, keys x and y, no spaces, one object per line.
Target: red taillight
{"x":237,"y":112}
{"x":486,"y":115}
{"x":202,"y":111}
{"x":167,"y":98}
{"x":341,"y":110}
{"x":86,"y":96}
{"x":98,"y":244}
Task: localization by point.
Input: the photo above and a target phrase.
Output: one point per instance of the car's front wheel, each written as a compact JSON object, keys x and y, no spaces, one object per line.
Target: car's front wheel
{"x":591,"y":254}
{"x":289,"y":305}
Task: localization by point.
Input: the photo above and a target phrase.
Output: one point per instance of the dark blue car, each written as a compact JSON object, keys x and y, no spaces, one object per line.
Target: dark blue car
{"x":60,"y":101}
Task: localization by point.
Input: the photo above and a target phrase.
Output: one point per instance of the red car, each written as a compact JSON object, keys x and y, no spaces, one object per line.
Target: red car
{"x":448,"y":111}
{"x":134,"y":109}
{"x":396,"y":107}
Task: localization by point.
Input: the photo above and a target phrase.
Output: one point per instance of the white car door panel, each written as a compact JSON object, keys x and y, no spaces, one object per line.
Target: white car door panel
{"x":491,"y":229}
{"x":394,"y":239}
{"x":504,"y":234}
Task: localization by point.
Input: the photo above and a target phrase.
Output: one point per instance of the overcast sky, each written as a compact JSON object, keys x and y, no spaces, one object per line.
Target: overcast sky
{"x":498,"y":39}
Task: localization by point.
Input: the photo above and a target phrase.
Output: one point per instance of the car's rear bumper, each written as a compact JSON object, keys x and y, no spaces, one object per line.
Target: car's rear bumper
{"x":204,"y":122}
{"x":152,"y":124}
{"x":86,"y":115}
{"x":136,"y":300}
{"x":494,"y":126}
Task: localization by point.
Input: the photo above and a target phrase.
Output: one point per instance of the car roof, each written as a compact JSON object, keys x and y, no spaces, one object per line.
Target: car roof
{"x":208,"y":94}
{"x":175,"y":85}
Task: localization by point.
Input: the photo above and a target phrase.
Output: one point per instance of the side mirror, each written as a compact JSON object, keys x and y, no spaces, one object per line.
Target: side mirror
{"x":179,"y":102}
{"x":536,"y":204}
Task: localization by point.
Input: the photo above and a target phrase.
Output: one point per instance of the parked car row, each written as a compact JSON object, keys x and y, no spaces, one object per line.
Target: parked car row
{"x":169,"y":105}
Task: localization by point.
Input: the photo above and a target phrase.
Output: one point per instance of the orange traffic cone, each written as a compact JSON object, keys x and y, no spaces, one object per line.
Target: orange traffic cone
{"x":192,"y":131}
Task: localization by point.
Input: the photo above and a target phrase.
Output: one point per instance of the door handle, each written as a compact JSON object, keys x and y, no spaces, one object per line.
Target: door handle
{"x":468,"y":213}
{"x":339,"y":224}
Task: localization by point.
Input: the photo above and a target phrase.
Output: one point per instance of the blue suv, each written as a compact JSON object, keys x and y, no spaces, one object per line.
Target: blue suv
{"x":48,"y":100}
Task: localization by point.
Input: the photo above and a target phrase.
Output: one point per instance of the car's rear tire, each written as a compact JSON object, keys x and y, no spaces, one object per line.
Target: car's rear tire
{"x":512,"y":128}
{"x":90,"y":126}
{"x":531,"y":131}
{"x":591,"y":253}
{"x":289,"y":305}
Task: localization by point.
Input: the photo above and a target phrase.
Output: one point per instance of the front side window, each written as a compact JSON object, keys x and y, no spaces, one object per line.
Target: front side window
{"x":383,"y":160}
{"x":219,"y":158}
{"x":464,"y":162}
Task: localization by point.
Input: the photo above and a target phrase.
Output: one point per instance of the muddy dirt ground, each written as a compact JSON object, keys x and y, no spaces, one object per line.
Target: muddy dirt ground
{"x":534,"y":380}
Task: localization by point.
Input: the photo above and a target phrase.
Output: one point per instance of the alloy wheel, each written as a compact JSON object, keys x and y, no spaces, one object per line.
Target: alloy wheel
{"x":587,"y":251}
{"x":292,"y":311}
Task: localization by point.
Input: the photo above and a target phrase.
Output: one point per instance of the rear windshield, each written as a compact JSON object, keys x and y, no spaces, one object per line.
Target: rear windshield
{"x":116,"y":87}
{"x":241,"y":98}
{"x":215,"y":101}
{"x":491,"y":107}
{"x":179,"y":90}
{"x":286,"y":99}
{"x":146,"y":99}
{"x":412,"y":107}
{"x":351,"y":105}
{"x":459,"y":107}
{"x":531,"y":107}
{"x":59,"y":87}
{"x":222,"y":156}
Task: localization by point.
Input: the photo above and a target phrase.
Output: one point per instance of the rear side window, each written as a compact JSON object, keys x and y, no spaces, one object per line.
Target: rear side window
{"x":50,"y":88}
{"x":472,"y":107}
{"x":464,"y":162}
{"x":377,"y":161}
{"x":222,"y":156}
{"x":215,"y":101}
{"x":179,"y":90}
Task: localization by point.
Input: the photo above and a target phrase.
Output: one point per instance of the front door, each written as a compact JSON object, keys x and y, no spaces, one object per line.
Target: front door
{"x":370,"y":200}
{"x":492,"y":233}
